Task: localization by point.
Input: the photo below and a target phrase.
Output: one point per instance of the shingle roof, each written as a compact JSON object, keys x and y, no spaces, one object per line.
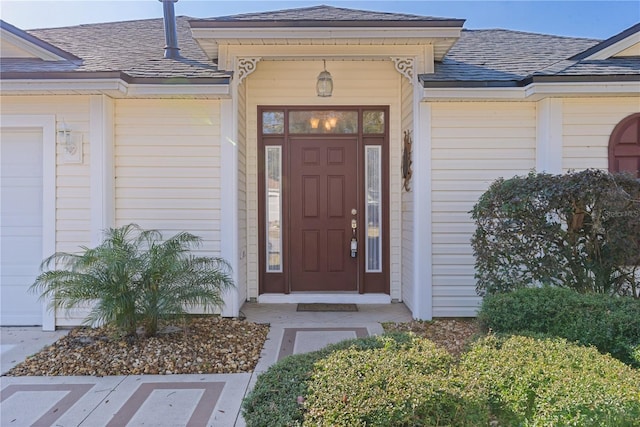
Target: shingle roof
{"x":511,"y":58}
{"x":503,"y":55}
{"x":326,"y":13}
{"x":613,"y":66}
{"x":135,"y":48}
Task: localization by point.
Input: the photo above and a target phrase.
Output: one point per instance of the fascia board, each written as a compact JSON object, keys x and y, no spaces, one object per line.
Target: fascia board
{"x":191,"y":90}
{"x":533,"y":91}
{"x":472,"y":93}
{"x":324,"y":33}
{"x":113,"y":87}
{"x":629,"y":88}
{"x":37,"y":51}
{"x":63,"y":85}
{"x":615,"y":48}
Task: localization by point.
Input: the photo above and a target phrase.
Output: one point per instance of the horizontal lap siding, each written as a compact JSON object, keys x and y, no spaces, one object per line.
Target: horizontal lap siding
{"x":472,"y":145}
{"x":407,"y":207}
{"x":587,"y":126}
{"x":167,"y":167}
{"x":293,"y":83}
{"x":242,"y":193}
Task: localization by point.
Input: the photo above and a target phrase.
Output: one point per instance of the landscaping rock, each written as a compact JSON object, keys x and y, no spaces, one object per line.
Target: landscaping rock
{"x":202,"y":345}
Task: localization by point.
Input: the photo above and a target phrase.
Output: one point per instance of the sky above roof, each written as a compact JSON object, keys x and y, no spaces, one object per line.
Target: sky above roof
{"x":592,"y":19}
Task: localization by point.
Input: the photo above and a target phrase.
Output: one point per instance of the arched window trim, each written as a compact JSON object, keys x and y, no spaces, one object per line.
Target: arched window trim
{"x":614,"y":139}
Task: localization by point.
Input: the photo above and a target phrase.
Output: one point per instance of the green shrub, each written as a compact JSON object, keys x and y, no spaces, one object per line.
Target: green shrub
{"x":136,"y":278}
{"x":611,"y":324}
{"x":533,"y":382}
{"x":397,"y":385}
{"x":579,"y":230}
{"x":274,"y":401}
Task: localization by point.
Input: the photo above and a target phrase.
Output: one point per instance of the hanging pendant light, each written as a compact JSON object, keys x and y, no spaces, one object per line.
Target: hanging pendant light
{"x":324,"y":86}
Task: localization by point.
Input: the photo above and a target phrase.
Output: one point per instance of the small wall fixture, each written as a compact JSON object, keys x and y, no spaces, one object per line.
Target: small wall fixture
{"x":324,"y":86}
{"x":71,"y":145}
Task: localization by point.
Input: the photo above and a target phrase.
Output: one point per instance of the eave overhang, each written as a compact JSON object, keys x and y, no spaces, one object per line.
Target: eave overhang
{"x":211,"y":38}
{"x":287,"y":23}
{"x":35,"y":46}
{"x":113,"y":84}
{"x":532,"y":88}
{"x":611,"y":46}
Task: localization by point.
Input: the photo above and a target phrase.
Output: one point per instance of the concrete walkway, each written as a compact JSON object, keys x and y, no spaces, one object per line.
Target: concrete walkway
{"x":170,"y":400}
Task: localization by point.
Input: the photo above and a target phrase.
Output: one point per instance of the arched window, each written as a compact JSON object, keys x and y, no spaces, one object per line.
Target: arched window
{"x":624,"y":146}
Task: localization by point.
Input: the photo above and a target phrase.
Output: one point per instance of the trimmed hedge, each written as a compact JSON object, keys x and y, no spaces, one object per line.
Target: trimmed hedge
{"x":611,"y":324}
{"x":533,"y":382}
{"x":403,"y":380}
{"x":398,"y":385}
{"x":274,"y":401}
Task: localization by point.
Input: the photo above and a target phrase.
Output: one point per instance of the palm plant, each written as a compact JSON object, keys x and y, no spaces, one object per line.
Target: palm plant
{"x":135,"y":279}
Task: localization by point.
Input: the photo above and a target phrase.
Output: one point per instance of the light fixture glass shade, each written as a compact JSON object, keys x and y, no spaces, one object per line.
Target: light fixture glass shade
{"x":324,"y":86}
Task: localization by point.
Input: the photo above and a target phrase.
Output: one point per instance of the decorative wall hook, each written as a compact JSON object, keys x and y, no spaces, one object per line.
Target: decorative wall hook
{"x":406,"y":161}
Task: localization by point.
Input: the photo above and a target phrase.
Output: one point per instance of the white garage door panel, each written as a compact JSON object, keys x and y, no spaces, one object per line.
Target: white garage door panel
{"x":20,"y":225}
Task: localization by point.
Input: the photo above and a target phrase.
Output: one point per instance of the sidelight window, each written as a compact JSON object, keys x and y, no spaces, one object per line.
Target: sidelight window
{"x":273,"y":196}
{"x":373,"y":190}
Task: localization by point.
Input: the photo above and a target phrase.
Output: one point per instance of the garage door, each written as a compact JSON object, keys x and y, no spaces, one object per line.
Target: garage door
{"x":20,"y":225}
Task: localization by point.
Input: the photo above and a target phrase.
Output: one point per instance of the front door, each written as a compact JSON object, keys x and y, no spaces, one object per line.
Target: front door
{"x":323,"y":203}
{"x":323,"y":199}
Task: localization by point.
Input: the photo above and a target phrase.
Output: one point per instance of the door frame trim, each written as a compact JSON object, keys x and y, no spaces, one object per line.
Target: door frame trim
{"x":279,"y":283}
{"x":47,"y":123}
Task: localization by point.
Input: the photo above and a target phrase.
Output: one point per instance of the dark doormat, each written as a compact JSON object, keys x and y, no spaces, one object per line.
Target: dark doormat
{"x":327,"y":307}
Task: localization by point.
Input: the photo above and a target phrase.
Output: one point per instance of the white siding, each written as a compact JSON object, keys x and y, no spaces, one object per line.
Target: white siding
{"x":472,"y":145}
{"x":293,"y":83}
{"x":242,"y":193}
{"x":587,"y":126}
{"x":167,"y":162}
{"x":407,"y":205}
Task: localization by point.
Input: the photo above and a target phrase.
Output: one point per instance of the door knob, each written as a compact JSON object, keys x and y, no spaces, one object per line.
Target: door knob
{"x":354,"y":211}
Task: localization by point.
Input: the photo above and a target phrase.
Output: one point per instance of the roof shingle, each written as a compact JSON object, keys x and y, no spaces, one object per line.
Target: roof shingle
{"x":503,"y":55}
{"x":133,"y":47}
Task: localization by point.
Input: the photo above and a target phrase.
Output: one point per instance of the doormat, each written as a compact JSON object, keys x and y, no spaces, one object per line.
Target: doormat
{"x":327,"y":307}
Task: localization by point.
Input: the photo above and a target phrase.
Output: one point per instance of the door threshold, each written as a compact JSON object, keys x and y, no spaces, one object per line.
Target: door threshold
{"x":324,"y":297}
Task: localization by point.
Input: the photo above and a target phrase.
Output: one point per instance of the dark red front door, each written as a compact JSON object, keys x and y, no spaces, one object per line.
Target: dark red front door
{"x":323,"y":197}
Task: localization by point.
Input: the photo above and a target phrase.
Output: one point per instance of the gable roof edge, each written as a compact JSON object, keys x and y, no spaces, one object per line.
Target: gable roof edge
{"x":40,"y":48}
{"x":611,"y":46}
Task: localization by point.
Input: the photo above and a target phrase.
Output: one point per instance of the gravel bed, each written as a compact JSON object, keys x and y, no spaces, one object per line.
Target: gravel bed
{"x":202,"y":345}
{"x":451,"y":334}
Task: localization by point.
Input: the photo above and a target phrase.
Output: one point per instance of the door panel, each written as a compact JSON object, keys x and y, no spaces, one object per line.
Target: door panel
{"x":323,"y":176}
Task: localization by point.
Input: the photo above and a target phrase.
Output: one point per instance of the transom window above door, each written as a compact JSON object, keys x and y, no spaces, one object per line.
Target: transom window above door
{"x":306,"y":122}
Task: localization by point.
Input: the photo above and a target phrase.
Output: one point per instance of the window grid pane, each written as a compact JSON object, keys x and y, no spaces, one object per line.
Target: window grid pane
{"x":273,"y":122}
{"x":373,"y":121}
{"x":273,"y":188}
{"x":323,"y":122}
{"x":373,"y":215}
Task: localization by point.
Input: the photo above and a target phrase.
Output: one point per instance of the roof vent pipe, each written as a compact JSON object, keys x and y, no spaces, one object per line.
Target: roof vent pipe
{"x":171,"y":49}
